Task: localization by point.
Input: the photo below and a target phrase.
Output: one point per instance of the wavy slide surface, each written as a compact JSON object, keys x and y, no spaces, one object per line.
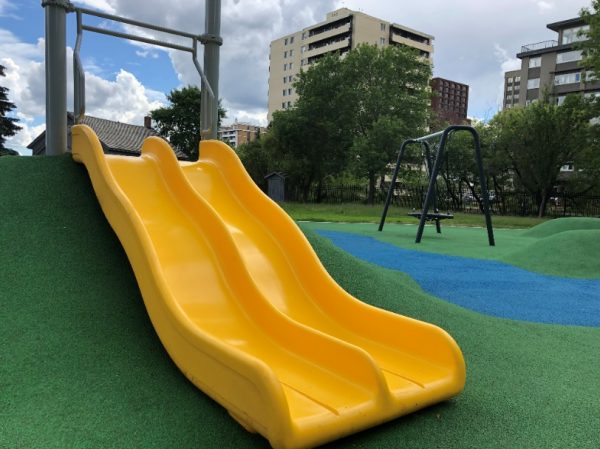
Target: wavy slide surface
{"x":245,"y":309}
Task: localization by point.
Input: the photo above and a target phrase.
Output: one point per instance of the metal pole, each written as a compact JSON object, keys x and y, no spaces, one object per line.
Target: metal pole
{"x":56,"y":75}
{"x":388,"y":199}
{"x":211,"y":39}
{"x":432,"y":184}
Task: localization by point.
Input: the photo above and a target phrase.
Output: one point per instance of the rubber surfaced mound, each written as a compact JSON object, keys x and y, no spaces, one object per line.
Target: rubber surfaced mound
{"x":81,"y":366}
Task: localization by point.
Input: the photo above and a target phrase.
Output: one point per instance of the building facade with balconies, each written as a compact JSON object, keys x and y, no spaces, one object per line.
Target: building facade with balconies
{"x":552,"y":67}
{"x":341,"y":32}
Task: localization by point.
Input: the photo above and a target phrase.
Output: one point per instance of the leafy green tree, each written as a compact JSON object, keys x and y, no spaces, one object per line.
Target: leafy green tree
{"x":311,"y":140}
{"x":591,"y":46}
{"x":541,"y":138}
{"x":180,"y":121}
{"x":352,"y":111}
{"x":8,"y":125}
{"x":389,"y":90}
{"x":257,"y":159}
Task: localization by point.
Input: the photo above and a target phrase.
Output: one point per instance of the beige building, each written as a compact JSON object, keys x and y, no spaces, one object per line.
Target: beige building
{"x":237,"y":134}
{"x":341,"y":31}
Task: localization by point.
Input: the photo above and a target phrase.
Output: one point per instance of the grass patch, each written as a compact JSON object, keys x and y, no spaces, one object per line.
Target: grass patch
{"x":363,"y":213}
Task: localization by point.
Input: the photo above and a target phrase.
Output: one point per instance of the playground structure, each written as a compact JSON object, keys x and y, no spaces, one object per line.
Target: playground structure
{"x":236,"y":294}
{"x":56,"y":65}
{"x":433,"y":168}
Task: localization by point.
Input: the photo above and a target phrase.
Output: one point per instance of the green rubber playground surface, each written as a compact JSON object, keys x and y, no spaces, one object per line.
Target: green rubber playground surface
{"x":81,"y":366}
{"x":561,"y":247}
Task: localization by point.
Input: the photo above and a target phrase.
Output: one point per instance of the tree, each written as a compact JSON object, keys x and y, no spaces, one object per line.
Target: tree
{"x":8,"y":125}
{"x":311,"y":140}
{"x":389,"y":90}
{"x":541,"y":138}
{"x":180,"y":121}
{"x":353,"y":111}
{"x":591,"y":45}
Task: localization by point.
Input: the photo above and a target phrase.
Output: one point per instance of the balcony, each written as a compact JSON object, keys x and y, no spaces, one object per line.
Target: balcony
{"x":539,"y":46}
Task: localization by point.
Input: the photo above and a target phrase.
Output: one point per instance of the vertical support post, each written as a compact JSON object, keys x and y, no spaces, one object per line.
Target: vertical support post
{"x":56,"y":75}
{"x":388,"y":199}
{"x":484,"y":189}
{"x":429,"y":198}
{"x":212,"y":41}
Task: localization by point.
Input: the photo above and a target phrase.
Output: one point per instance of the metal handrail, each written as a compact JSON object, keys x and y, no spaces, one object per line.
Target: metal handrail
{"x":539,"y":46}
{"x":78,"y":75}
{"x":208,"y":100}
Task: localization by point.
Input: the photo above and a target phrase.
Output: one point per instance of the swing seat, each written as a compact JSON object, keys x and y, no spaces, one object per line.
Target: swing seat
{"x":431,"y":216}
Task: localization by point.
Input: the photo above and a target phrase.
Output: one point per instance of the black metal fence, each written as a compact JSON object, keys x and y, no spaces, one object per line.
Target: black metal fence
{"x":505,"y":203}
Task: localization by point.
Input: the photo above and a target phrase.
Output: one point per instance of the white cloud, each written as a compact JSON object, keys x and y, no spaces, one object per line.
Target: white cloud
{"x":102,"y":5}
{"x":123,"y":98}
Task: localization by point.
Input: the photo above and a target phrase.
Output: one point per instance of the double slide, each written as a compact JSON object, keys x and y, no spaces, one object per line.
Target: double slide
{"x":245,"y":309}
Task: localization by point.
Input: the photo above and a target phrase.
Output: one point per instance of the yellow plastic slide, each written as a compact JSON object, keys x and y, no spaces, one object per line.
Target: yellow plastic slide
{"x":245,"y":309}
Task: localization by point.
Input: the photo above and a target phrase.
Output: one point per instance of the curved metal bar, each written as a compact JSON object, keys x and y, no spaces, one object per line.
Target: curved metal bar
{"x":207,"y":101}
{"x":78,"y":75}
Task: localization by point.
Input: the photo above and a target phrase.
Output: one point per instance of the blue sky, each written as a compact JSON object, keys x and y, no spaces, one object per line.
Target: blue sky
{"x":475,"y":42}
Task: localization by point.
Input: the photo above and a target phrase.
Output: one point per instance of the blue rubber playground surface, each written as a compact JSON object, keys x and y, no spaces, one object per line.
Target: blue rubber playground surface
{"x":489,"y":287}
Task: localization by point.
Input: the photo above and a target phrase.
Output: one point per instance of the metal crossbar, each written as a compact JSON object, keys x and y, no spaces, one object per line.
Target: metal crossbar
{"x":79,"y":74}
{"x":56,"y":77}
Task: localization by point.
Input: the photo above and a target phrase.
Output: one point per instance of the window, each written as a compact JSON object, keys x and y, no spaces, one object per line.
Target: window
{"x":284,"y":79}
{"x":509,"y":88}
{"x":535,"y":62}
{"x":291,"y":65}
{"x":303,"y":49}
{"x":571,"y":35}
{"x":291,"y":53}
{"x":533,"y":83}
{"x":382,"y":26}
{"x":569,"y":56}
{"x":285,"y":67}
{"x":517,"y":79}
{"x":302,"y":62}
{"x":382,"y":41}
{"x":292,"y":40}
{"x":516,"y":97}
{"x":289,"y":91}
{"x":304,"y":35}
{"x":528,"y":102}
{"x":284,"y":92}
{"x":284,"y":54}
{"x":290,"y":79}
{"x":283,"y":105}
{"x":289,"y":104}
{"x":509,"y":80}
{"x":567,"y":78}
{"x":285,"y":42}
{"x":560,"y":99}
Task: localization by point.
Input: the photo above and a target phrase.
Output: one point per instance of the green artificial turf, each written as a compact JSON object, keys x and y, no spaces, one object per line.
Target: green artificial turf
{"x":81,"y":366}
{"x":562,"y":247}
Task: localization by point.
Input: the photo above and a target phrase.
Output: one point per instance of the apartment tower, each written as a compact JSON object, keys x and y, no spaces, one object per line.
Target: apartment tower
{"x":552,"y":66}
{"x":341,"y":32}
{"x":450,"y":101}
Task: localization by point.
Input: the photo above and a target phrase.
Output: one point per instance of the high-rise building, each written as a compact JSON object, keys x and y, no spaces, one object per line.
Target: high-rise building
{"x":450,"y":101}
{"x":552,"y":66}
{"x":341,"y":32}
